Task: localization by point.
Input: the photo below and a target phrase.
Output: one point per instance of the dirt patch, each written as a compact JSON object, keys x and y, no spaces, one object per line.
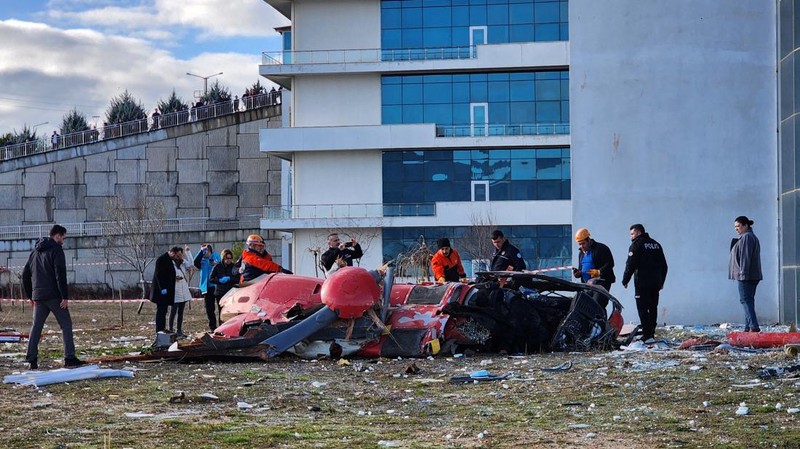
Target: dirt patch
{"x":633,"y":400}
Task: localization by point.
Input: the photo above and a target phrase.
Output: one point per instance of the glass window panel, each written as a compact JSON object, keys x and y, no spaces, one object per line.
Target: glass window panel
{"x":436,"y":17}
{"x":564,"y":12}
{"x":460,"y":16}
{"x":412,"y":93}
{"x":499,"y":155}
{"x":547,"y":32}
{"x":548,"y":168}
{"x":500,"y":191}
{"x":412,"y":17}
{"x":498,"y":91}
{"x":478,"y":92}
{"x":459,"y":36}
{"x":523,"y":190}
{"x":523,"y":170}
{"x":391,"y":115}
{"x":413,"y":172}
{"x":391,"y":94}
{"x":521,"y":90}
{"x":413,"y":79}
{"x":498,"y":34}
{"x":499,"y":113}
{"x":436,"y":93}
{"x":520,"y":13}
{"x":477,"y":15}
{"x":548,"y":190}
{"x":548,"y":112}
{"x":461,"y":113}
{"x":391,"y":39}
{"x":436,"y":37}
{"x":442,"y":192}
{"x":497,"y":14}
{"x":565,"y":168}
{"x":438,"y":113}
{"x":564,"y":32}
{"x":564,"y":89}
{"x":412,"y":38}
{"x":548,"y":90}
{"x":390,"y":18}
{"x":460,"y":93}
{"x":550,"y":231}
{"x":565,"y":112}
{"x":522,"y":112}
{"x":391,"y":80}
{"x":497,"y":76}
{"x":412,"y":113}
{"x":547,"y":12}
{"x":523,"y":154}
{"x":438,"y":171}
{"x":520,"y":33}
{"x":565,"y":189}
{"x":550,"y":153}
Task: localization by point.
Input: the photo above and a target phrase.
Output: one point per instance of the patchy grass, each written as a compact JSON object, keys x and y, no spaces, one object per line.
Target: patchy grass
{"x":631,"y":400}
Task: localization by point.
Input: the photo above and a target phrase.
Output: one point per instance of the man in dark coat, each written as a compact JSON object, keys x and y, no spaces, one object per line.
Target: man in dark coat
{"x":44,"y":279}
{"x":648,"y":267}
{"x":507,"y":257}
{"x":340,"y":253}
{"x":162,"y":290}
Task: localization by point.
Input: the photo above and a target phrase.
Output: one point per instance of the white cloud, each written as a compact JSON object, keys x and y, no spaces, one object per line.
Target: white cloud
{"x":45,"y":71}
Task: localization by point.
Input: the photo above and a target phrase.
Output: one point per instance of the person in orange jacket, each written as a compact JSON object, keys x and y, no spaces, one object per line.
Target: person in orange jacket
{"x":256,"y":261}
{"x":446,"y":263}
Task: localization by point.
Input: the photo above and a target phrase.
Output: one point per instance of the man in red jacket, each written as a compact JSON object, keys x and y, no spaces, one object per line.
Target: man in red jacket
{"x":446,"y":263}
{"x":256,"y":261}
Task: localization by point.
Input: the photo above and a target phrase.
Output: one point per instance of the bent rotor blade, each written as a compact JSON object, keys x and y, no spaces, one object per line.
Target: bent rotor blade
{"x":282,"y":341}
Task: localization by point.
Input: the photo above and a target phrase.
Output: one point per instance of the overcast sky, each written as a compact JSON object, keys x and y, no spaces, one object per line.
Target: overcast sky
{"x":56,"y":55}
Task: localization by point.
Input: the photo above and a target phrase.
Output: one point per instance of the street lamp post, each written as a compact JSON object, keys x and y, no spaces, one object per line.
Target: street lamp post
{"x":205,"y":80}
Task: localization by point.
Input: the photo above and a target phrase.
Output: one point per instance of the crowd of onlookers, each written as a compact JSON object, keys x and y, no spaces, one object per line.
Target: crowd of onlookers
{"x":199,"y":110}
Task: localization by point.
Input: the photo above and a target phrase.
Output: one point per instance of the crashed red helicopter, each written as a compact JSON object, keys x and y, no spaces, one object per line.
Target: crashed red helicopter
{"x":363,"y":313}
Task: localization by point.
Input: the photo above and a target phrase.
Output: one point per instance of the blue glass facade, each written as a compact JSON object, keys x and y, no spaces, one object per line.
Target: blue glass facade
{"x":453,"y":23}
{"x":541,"y":246}
{"x":522,"y":174}
{"x":451,"y":99}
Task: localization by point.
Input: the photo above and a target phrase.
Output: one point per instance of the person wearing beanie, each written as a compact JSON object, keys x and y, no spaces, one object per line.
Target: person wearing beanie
{"x":744,"y":267}
{"x":595,"y":262}
{"x":446,"y":263}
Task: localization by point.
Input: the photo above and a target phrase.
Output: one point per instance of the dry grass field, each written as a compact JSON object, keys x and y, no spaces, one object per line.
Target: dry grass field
{"x":654,"y":399}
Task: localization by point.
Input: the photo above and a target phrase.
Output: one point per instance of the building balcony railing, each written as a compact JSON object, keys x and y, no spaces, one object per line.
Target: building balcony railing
{"x":527,"y":129}
{"x":364,"y":55}
{"x":102,"y":228}
{"x":363,"y":210}
{"x":115,"y":130}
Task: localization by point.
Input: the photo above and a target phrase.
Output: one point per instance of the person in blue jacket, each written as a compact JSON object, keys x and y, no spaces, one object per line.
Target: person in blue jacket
{"x":205,"y":260}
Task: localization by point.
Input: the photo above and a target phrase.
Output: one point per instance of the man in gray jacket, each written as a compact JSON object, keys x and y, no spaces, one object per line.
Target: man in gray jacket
{"x":44,"y":279}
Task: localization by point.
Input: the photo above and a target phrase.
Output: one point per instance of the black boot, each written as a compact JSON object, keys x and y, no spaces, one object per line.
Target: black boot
{"x":73,"y":362}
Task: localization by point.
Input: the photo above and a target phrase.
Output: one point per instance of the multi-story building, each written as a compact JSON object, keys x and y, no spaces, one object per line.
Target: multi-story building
{"x":433,"y":118}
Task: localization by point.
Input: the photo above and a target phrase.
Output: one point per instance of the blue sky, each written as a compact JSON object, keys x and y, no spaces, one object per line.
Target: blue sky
{"x":62,"y":54}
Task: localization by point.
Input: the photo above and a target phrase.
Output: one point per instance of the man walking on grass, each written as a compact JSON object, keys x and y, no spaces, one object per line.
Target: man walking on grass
{"x":44,"y":279}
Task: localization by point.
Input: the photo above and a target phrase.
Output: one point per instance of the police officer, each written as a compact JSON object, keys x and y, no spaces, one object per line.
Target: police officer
{"x":648,"y":266}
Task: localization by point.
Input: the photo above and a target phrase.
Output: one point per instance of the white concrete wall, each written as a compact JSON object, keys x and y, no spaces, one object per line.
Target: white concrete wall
{"x":327,"y":25}
{"x":337,"y":100}
{"x":342,"y":177}
{"x":673,"y":113}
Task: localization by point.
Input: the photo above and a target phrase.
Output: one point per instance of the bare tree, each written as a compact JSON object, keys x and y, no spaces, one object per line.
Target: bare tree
{"x":476,"y":242}
{"x":415,"y":263}
{"x":131,"y":230}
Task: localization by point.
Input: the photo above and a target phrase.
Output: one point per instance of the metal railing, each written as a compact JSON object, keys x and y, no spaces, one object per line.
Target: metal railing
{"x":101,"y":228}
{"x":525,"y":129}
{"x":362,"y":55}
{"x":362,"y":210}
{"x":152,"y":123}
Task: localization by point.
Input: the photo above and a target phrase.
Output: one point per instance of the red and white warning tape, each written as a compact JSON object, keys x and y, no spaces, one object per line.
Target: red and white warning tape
{"x":90,"y":300}
{"x":75,"y":264}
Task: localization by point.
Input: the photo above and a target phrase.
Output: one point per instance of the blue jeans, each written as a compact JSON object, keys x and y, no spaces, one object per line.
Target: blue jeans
{"x":747,"y":296}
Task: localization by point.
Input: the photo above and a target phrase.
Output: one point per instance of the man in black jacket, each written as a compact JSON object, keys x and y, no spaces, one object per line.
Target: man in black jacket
{"x":340,"y":253}
{"x":44,"y":279}
{"x":507,"y":257}
{"x":648,"y":266}
{"x":595,"y":263}
{"x":162,"y":290}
